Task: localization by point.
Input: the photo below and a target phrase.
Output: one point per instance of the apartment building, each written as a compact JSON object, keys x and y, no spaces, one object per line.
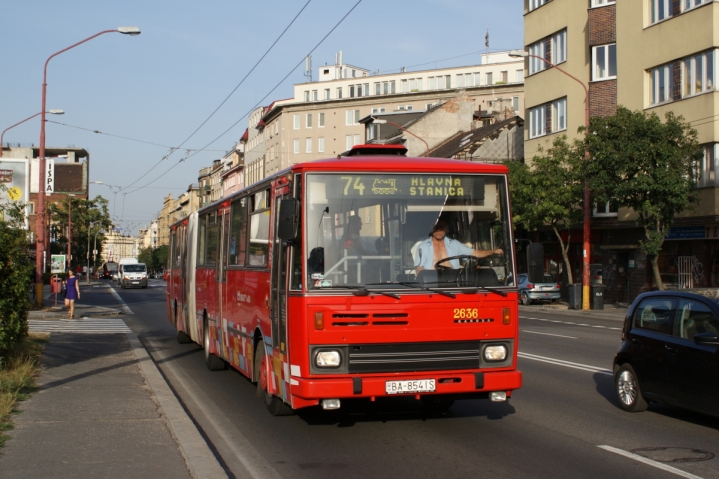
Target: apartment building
{"x":646,"y":55}
{"x":323,"y":117}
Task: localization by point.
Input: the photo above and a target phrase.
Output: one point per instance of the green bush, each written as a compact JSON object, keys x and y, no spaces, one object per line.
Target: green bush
{"x":15,"y":269}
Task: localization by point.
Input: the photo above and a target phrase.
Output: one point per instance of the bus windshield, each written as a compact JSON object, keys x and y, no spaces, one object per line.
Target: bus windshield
{"x":407,"y":231}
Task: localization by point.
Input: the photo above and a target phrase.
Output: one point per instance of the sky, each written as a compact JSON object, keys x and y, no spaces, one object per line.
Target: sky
{"x":147,"y":94}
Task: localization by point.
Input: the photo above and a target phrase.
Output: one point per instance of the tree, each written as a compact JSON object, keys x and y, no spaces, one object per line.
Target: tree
{"x":549,"y":192}
{"x":154,"y":258}
{"x":647,"y":165}
{"x":15,"y":270}
{"x":83,"y":212}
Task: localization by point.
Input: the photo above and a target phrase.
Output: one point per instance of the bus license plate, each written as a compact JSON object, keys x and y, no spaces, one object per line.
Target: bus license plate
{"x":410,"y":387}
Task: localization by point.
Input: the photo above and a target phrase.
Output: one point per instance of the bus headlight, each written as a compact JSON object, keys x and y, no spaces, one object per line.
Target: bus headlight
{"x":328,"y":359}
{"x":497,"y":352}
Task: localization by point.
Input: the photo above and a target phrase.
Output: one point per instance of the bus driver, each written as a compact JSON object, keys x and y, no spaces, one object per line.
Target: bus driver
{"x":438,"y":247}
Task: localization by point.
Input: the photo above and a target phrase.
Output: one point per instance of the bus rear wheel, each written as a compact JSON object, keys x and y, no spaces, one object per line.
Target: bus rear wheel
{"x":275,"y":405}
{"x":213,"y":362}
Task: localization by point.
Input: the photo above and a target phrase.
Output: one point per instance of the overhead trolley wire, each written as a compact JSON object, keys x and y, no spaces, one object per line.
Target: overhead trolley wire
{"x":226,"y":98}
{"x":256,"y":104}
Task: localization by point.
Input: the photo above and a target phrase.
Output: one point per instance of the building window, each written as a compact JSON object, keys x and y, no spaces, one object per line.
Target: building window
{"x":660,"y":10}
{"x":321,"y":120}
{"x":534,"y":4}
{"x":448,"y":81}
{"x":339,"y":92}
{"x":431,"y":83}
{"x":662,"y":84}
{"x":352,"y":91}
{"x":296,"y":122}
{"x":610,"y":208}
{"x":378,"y":110}
{"x":327,"y":93}
{"x":601,"y":3}
{"x":559,"y":47}
{"x":504,"y":77}
{"x":468,"y":79}
{"x":314,"y":95}
{"x":515,"y":103}
{"x":689,"y":4}
{"x":698,"y":74}
{"x":604,"y":62}
{"x":392,"y":87}
{"x":707,"y":167}
{"x":519,"y":76}
{"x":307,"y":96}
{"x":559,"y":115}
{"x":321,"y":144}
{"x":460,"y":80}
{"x":356,"y":140}
{"x":348,"y":142}
{"x":548,"y":118}
{"x":366,"y":89}
{"x":385,"y":88}
{"x":296,"y":146}
{"x":309,"y":120}
{"x":377,"y":88}
{"x":489,"y":79}
{"x":352,"y":117}
{"x":537,"y":121}
{"x":404,"y":85}
{"x":535,"y":64}
{"x":308,"y":145}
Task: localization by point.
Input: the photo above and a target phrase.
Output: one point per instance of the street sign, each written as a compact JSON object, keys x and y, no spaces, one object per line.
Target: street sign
{"x":49,"y":177}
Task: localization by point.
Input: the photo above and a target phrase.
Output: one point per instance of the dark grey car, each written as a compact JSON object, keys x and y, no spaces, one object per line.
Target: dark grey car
{"x":669,"y":353}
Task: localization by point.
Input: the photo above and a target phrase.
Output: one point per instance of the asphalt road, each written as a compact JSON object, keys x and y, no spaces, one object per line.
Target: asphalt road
{"x":563,"y":423}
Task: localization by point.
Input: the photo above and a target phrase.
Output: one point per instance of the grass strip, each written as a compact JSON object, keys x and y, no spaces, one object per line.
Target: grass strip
{"x":17,"y":377}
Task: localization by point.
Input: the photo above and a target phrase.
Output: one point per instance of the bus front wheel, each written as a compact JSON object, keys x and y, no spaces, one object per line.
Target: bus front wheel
{"x":275,"y":405}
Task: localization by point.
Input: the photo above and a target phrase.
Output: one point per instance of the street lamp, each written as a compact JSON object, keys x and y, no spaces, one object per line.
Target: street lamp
{"x":382,"y":122}
{"x":89,"y":227}
{"x":52,"y":112}
{"x":40,"y":236}
{"x":587,"y":229}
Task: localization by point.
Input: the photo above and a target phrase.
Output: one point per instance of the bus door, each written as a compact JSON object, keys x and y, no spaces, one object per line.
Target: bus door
{"x":278,"y":290}
{"x":223,"y":218}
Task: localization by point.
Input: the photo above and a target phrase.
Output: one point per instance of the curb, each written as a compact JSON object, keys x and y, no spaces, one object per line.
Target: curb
{"x":201,"y":462}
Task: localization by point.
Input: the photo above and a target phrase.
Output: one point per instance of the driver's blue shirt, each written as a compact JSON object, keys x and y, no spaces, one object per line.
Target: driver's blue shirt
{"x":424,"y":256}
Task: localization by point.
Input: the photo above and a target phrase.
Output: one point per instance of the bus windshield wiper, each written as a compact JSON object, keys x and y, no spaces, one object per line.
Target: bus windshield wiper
{"x":362,"y":290}
{"x":477,"y":289}
{"x":425,"y":288}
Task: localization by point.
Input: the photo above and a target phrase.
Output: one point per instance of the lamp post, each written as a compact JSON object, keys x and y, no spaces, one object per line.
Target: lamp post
{"x":52,"y":112}
{"x":586,"y":247}
{"x":89,"y":227}
{"x":40,"y":225}
{"x":382,"y":122}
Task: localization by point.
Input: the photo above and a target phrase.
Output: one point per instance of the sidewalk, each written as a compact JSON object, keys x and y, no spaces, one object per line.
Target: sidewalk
{"x":102,"y":409}
{"x":82,"y":310}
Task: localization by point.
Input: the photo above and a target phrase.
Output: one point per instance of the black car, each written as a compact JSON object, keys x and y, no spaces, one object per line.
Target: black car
{"x":669,"y":353}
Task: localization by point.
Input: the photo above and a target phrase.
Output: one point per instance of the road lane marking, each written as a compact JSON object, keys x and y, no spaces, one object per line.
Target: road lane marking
{"x":570,"y":323}
{"x":566,"y":364}
{"x":548,"y":334}
{"x":650,"y":462}
{"x":124,"y":305}
{"x":84,"y":325}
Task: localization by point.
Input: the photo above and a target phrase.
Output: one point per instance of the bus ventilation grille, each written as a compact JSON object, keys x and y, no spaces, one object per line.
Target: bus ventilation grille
{"x":413,"y":357}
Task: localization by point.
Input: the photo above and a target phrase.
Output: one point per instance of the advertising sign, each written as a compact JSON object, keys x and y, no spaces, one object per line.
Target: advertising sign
{"x":15,"y":176}
{"x":57,"y":263}
{"x":49,"y":176}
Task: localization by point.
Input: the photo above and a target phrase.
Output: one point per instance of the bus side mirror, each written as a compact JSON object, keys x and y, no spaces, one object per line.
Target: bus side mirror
{"x":288,"y":220}
{"x":535,"y":262}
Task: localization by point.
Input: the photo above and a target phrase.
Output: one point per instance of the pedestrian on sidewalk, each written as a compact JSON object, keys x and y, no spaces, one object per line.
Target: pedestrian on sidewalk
{"x":73,"y":293}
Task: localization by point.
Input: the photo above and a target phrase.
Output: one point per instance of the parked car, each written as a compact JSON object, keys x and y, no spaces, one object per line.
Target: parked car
{"x":547,"y":290}
{"x":669,"y":353}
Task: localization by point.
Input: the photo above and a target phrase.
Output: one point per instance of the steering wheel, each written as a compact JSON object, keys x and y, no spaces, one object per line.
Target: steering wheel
{"x":468,"y":257}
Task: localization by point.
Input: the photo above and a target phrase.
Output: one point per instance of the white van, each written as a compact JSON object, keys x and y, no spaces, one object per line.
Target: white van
{"x":133,"y":275}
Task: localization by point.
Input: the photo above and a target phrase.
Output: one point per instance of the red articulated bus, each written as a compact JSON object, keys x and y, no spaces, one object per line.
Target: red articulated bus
{"x":320,"y":282}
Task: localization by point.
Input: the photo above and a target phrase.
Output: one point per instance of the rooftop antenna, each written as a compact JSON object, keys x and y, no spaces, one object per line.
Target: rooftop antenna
{"x":308,"y":67}
{"x":486,"y":44}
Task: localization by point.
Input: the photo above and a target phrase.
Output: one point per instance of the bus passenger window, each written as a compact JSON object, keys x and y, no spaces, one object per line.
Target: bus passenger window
{"x":202,"y":231}
{"x":259,"y":244}
{"x":238,"y":233}
{"x":213,"y":241}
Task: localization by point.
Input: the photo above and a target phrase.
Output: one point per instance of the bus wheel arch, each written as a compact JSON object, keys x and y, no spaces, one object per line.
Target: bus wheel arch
{"x":275,"y":405}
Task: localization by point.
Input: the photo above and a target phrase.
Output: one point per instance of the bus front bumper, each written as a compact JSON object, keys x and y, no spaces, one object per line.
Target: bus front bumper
{"x":469,"y":384}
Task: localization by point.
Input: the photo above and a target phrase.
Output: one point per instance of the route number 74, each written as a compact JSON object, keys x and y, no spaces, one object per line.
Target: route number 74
{"x":356,"y":185}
